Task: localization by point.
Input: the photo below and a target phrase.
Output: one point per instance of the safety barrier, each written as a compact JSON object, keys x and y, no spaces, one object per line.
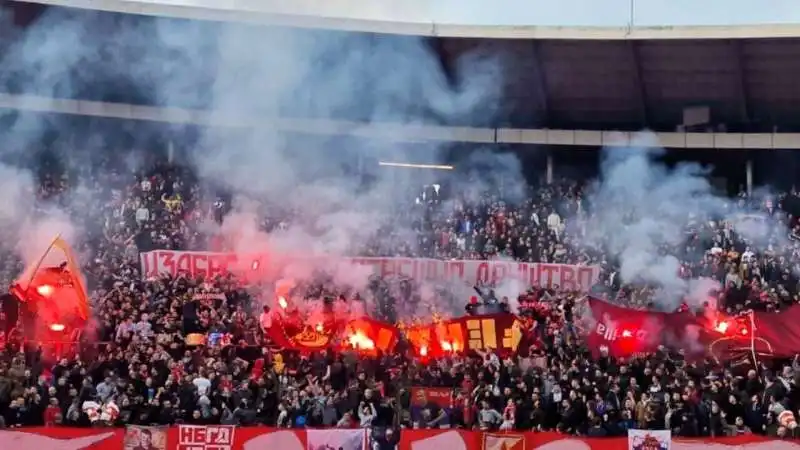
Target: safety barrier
{"x":221,"y":437}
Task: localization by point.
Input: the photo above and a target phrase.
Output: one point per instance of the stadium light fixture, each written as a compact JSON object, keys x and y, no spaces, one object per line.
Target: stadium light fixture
{"x":416,"y":166}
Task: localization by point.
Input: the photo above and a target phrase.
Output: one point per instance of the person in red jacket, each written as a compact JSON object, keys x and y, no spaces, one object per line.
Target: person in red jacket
{"x":52,"y":414}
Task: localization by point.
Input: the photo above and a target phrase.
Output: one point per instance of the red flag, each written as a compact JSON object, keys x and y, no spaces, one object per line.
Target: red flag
{"x":54,"y":287}
{"x":624,"y":331}
{"x":774,"y":334}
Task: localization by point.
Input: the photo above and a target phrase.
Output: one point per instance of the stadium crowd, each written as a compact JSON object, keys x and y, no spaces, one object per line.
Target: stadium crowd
{"x":143,"y":372}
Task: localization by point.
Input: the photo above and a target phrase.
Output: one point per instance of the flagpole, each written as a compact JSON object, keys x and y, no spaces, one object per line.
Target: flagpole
{"x":39,"y":264}
{"x":753,"y":338}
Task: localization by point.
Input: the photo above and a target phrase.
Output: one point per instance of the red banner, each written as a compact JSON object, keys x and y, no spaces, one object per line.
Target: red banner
{"x":776,"y":334}
{"x":215,"y":437}
{"x":370,"y":335}
{"x":364,"y":334}
{"x":759,"y":334}
{"x":501,"y":332}
{"x":624,"y":331}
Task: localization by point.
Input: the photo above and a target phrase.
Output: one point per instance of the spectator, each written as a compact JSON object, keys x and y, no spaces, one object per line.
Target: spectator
{"x":488,"y":418}
{"x":366,"y":414}
{"x":144,"y":372}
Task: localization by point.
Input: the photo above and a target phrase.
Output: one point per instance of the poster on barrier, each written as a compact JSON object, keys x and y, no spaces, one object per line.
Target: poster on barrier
{"x":336,"y":439}
{"x":649,"y":439}
{"x":503,"y":441}
{"x":205,"y":437}
{"x":145,"y":438}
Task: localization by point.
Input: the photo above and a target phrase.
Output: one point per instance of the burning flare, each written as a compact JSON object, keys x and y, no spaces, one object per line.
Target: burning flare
{"x":45,"y":290}
{"x":359,"y":340}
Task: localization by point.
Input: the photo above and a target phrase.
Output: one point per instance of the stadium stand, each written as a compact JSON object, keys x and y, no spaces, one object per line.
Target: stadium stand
{"x":529,"y":184}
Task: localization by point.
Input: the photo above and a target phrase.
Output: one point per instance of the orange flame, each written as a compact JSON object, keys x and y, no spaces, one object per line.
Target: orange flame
{"x":359,"y":340}
{"x":45,"y":290}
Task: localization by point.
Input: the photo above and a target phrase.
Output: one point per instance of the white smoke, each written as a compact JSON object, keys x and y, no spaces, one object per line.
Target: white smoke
{"x":28,"y":225}
{"x":331,"y":76}
{"x":510,"y":288}
{"x":253,"y":79}
{"x":642,"y":210}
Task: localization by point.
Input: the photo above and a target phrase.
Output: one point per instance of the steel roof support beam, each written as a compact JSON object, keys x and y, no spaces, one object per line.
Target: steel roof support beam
{"x":541,"y":81}
{"x":741,"y":81}
{"x":638,"y":79}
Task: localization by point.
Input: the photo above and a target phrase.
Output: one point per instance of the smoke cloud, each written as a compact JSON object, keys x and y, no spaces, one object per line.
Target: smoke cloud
{"x":649,"y":218}
{"x":377,"y":79}
{"x":29,"y":225}
{"x":328,"y":190}
{"x":341,"y":202}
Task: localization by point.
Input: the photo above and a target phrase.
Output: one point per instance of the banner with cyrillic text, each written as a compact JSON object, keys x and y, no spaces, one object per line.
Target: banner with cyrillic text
{"x":211,"y":264}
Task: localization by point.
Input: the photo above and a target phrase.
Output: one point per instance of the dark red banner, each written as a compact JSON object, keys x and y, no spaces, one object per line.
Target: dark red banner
{"x":777,"y":334}
{"x":620,"y":331}
{"x":364,"y":334}
{"x":624,"y":332}
{"x":499,"y":332}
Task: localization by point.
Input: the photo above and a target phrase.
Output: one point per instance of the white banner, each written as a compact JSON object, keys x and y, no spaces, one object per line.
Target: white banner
{"x":336,"y":439}
{"x":209,"y":296}
{"x":649,"y":439}
{"x":211,"y":264}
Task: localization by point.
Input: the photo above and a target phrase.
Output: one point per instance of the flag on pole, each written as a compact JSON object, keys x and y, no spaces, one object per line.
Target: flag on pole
{"x":56,"y":273}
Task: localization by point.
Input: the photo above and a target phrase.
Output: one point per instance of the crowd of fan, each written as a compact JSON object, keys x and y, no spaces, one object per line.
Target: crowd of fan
{"x":143,"y":372}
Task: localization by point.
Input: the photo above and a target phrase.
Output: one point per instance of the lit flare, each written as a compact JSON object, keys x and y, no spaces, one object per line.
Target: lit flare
{"x":359,"y":340}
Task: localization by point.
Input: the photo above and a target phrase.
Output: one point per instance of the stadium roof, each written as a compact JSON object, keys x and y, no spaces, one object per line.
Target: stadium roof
{"x":748,"y":85}
{"x":511,"y":19}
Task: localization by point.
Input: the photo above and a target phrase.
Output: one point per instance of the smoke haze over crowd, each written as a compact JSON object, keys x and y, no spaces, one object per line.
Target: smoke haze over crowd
{"x":255,"y":78}
{"x":645,"y":215}
{"x":260,"y":76}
